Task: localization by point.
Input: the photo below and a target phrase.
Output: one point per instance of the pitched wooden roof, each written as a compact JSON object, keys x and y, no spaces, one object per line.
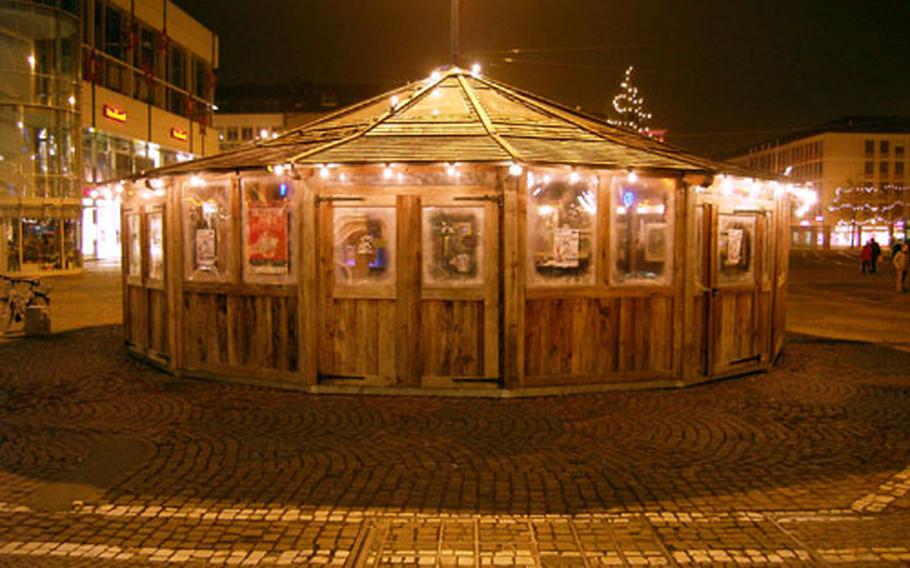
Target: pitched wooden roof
{"x":454,"y":117}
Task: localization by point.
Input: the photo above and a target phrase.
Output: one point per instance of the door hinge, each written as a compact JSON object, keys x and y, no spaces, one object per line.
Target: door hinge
{"x":333,"y":198}
{"x":495,"y":198}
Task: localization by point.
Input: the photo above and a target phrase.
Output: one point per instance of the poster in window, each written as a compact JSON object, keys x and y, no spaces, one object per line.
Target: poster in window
{"x":156,"y":246}
{"x":735,"y":236}
{"x":135,"y":248}
{"x":655,"y":242}
{"x":206,"y":249}
{"x":453,"y":238}
{"x":566,"y":247}
{"x":267,"y":240}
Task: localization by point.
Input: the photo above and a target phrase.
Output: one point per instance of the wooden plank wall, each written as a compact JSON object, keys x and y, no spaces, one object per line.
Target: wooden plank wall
{"x":363,"y":337}
{"x":452,"y":338}
{"x":146,"y":328}
{"x":586,"y":340}
{"x":251,"y":331}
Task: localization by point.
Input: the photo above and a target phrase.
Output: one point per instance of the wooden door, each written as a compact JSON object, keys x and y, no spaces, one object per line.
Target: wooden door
{"x":459,"y":291}
{"x":736,"y":341}
{"x":358,"y":289}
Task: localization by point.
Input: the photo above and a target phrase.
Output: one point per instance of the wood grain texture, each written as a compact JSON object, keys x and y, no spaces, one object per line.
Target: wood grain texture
{"x":452,"y":338}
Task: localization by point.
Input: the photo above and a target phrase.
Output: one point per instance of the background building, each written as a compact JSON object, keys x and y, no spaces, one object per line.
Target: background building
{"x":148,"y":89}
{"x":250,"y":112}
{"x":39,"y":137}
{"x":90,"y":91}
{"x":858,"y":165}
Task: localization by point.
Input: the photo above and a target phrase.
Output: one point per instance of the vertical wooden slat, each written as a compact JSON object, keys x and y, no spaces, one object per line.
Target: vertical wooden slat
{"x":307,"y":305}
{"x":513,"y":269}
{"x":325,"y":337}
{"x":408,"y":290}
{"x":490,"y":335}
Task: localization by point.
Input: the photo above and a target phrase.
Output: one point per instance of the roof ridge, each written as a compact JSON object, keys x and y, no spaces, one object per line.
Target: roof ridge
{"x":485,"y":119}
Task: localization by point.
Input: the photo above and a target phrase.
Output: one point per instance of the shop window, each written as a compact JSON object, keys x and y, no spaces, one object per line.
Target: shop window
{"x":268,"y":243}
{"x":364,"y":245}
{"x":735,"y":243}
{"x":207,"y":231}
{"x":156,"y":246}
{"x":453,"y":247}
{"x":561,"y":223}
{"x":641,"y":238}
{"x":11,"y":229}
{"x":72,"y":243}
{"x":246,"y":133}
{"x":41,"y":243}
{"x":134,"y":246}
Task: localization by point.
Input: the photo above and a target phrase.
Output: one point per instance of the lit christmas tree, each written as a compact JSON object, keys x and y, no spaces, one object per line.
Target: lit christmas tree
{"x":630,"y":106}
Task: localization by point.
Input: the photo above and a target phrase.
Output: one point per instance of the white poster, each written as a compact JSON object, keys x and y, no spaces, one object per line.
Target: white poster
{"x":566,"y":243}
{"x":734,"y":247}
{"x":205,"y":249}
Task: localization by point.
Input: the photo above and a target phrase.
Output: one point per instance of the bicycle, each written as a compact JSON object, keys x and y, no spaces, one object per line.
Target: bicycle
{"x":16,"y":295}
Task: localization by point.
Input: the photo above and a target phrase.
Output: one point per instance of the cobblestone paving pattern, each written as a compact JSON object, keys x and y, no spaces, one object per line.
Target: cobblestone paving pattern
{"x":107,"y":462}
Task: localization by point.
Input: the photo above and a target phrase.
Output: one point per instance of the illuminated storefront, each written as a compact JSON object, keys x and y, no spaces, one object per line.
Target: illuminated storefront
{"x":39,"y":139}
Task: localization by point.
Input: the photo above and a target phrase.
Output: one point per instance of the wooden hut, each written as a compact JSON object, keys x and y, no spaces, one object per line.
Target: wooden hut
{"x":455,"y":235}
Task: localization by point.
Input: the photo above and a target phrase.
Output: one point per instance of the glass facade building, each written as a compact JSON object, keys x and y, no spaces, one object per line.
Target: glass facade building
{"x":40,"y":148}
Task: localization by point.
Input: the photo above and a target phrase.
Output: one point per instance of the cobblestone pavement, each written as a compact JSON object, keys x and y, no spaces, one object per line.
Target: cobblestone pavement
{"x":105,"y":461}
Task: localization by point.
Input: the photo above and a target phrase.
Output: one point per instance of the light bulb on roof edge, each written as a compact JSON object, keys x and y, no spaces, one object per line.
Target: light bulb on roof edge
{"x":387,"y":172}
{"x":475,"y":69}
{"x":435,"y":75}
{"x":450,"y":170}
{"x":394,"y":101}
{"x":632,"y":176}
{"x":573,"y":177}
{"x":323,"y":172}
{"x":515,"y":169}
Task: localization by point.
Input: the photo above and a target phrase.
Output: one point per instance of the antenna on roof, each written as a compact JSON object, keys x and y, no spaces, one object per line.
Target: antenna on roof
{"x":454,"y":33}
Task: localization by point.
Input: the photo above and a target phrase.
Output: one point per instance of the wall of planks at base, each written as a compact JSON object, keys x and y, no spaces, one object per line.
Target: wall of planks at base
{"x":713,"y":307}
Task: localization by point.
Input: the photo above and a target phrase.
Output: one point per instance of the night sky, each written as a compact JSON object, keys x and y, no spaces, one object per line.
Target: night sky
{"x":718,"y":74}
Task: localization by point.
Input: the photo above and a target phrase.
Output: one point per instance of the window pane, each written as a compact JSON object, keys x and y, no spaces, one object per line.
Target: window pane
{"x":364,"y":243}
{"x":561,"y":231}
{"x":207,"y":230}
{"x":642,"y":231}
{"x":156,"y":246}
{"x":735,"y":242}
{"x":41,"y":243}
{"x":134,"y":251}
{"x":453,"y":244}
{"x":267,"y":240}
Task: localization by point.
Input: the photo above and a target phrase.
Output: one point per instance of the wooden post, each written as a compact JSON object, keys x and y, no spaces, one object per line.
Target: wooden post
{"x":306,"y":283}
{"x":513,"y":254}
{"x":173,"y":273}
{"x":686,"y":288}
{"x":408,"y":312}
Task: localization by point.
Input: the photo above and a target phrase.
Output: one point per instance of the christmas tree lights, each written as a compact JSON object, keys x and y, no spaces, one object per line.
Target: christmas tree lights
{"x":630,"y":106}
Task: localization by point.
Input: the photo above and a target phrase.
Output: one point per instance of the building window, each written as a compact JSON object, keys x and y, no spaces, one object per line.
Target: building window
{"x":899,"y":152}
{"x":898,"y":169}
{"x":883,"y":147}
{"x":232,"y":134}
{"x":883,"y":168}
{"x":870,"y":168}
{"x":246,"y":133}
{"x":870,"y":147}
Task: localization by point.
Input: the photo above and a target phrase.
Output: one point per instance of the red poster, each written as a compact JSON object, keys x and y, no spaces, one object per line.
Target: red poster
{"x":267,"y":239}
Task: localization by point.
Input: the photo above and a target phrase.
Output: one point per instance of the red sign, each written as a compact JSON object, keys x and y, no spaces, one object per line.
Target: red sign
{"x":178,"y":134}
{"x":114,"y":113}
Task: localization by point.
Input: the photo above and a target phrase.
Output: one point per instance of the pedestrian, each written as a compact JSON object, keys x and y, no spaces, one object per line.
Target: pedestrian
{"x":865,"y":257}
{"x":900,"y":268}
{"x":876,"y":252}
